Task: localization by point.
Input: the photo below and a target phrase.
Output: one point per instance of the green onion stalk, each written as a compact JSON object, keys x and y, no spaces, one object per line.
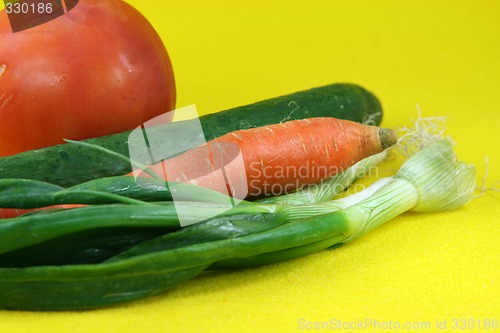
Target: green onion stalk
{"x":71,"y":230}
{"x":253,"y":234}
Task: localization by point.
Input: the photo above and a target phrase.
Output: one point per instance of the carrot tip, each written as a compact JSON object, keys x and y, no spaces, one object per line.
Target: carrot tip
{"x":387,"y":137}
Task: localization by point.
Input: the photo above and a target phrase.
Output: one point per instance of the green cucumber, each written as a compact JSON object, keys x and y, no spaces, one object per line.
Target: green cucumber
{"x":68,"y":164}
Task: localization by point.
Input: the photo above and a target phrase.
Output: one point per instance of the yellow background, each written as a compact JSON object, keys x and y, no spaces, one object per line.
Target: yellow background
{"x":443,"y":55}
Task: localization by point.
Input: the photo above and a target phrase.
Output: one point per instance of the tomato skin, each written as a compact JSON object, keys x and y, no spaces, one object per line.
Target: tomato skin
{"x":99,"y":69}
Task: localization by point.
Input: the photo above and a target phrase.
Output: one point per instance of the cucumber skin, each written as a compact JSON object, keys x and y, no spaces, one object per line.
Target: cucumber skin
{"x":67,"y":164}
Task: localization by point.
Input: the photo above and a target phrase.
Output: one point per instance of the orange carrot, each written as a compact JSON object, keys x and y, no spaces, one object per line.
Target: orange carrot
{"x":7,"y":213}
{"x":278,"y":158}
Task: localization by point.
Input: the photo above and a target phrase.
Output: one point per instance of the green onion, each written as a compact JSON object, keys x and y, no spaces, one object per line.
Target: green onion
{"x":248,"y":234}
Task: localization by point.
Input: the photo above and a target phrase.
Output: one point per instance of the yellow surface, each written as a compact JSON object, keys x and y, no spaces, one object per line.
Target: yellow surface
{"x":443,"y":55}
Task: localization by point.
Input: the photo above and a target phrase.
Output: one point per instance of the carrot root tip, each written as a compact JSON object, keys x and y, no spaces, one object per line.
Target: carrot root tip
{"x":387,"y":137}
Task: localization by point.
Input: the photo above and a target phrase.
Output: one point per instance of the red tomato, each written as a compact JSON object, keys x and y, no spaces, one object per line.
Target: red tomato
{"x":99,"y":69}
